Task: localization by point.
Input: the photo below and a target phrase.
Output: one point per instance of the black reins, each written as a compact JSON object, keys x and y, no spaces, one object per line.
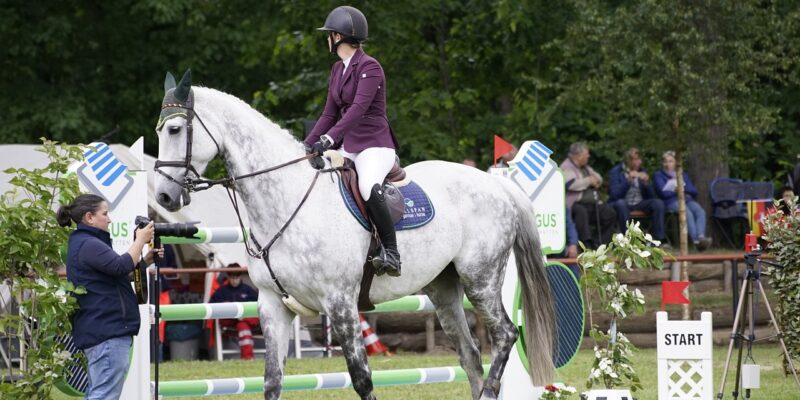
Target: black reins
{"x":196,"y":184}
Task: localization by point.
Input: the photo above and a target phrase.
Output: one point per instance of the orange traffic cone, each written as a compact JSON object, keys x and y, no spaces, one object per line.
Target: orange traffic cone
{"x":371,"y":341}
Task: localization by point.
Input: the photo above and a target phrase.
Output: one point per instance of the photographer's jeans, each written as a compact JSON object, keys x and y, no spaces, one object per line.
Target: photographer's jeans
{"x":108,"y":365}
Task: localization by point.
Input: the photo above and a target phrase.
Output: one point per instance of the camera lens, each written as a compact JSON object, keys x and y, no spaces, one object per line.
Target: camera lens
{"x":177,"y":229}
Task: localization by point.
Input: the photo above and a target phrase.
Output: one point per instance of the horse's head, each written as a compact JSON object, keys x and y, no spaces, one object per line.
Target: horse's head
{"x":184,"y":148}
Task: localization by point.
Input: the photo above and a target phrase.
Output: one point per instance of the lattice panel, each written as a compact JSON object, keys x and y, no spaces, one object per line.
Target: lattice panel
{"x":685,"y":379}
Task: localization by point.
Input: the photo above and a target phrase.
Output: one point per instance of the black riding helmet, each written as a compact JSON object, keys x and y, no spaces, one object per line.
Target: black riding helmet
{"x":348,"y":22}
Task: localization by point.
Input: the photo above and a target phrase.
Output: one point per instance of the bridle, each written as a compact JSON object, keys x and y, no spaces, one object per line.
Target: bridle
{"x":196,"y":183}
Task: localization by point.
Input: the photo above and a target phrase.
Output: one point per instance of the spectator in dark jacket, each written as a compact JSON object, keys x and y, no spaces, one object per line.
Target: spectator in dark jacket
{"x":234,"y":291}
{"x":629,"y":189}
{"x":108,"y":316}
{"x":666,"y":185}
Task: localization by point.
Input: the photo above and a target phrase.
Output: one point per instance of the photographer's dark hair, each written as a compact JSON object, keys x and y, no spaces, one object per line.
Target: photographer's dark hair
{"x":74,"y":212}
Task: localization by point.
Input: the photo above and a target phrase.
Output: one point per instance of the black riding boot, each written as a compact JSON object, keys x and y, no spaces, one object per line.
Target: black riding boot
{"x":388,"y":261}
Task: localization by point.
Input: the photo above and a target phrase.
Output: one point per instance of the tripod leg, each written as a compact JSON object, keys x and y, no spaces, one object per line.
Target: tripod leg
{"x":746,"y":302}
{"x":778,"y":330}
{"x":734,"y":331}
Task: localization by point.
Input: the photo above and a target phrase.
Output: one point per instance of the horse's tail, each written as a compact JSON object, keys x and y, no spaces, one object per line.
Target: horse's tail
{"x":537,"y":300}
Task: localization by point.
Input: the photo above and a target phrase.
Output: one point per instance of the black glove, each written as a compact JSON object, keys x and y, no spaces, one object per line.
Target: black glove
{"x":321,"y":145}
{"x":316,"y":162}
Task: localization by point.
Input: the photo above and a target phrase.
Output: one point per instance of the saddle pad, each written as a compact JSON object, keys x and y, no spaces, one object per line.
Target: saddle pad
{"x":418,"y":208}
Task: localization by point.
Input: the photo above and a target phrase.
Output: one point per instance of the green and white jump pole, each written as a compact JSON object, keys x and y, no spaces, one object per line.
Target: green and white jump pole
{"x":336,"y":380}
{"x":192,"y":312}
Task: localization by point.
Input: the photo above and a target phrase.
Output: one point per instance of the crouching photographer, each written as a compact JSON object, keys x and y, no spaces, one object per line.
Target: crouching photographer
{"x":108,"y":317}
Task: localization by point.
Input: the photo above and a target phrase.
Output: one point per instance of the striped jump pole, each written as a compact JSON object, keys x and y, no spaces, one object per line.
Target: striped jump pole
{"x":192,"y":312}
{"x":335,"y":380}
{"x":209,"y":235}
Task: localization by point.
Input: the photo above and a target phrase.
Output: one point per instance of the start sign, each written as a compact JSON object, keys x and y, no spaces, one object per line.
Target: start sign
{"x":684,"y":358}
{"x":683,"y":339}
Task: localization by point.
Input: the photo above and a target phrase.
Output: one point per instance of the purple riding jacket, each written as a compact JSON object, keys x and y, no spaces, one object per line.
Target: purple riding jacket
{"x":355,"y":111}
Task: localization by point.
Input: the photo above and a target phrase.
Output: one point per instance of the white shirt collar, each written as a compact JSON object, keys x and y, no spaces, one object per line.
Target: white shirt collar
{"x":346,"y":62}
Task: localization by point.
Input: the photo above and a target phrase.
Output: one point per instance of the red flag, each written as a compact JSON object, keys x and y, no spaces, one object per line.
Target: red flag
{"x":501,"y":147}
{"x":672,"y":292}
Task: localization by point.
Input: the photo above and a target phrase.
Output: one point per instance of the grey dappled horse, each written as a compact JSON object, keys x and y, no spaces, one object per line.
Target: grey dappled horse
{"x":318,"y":259}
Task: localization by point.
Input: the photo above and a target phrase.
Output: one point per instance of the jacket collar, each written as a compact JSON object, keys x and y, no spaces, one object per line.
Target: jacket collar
{"x":98,"y":233}
{"x":351,"y":66}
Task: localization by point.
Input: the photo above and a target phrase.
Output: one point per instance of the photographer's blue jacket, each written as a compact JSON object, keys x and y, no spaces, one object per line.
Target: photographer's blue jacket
{"x":109,"y":308}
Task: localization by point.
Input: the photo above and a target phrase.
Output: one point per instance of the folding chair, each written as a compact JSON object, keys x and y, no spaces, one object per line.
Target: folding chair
{"x":726,"y":208}
{"x":762,"y":191}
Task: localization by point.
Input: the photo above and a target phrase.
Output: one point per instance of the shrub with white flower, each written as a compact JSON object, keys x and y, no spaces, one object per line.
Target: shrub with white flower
{"x":635,"y":249}
{"x":557,"y":391}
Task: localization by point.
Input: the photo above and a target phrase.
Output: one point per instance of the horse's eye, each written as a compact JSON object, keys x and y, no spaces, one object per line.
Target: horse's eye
{"x":174,"y":130}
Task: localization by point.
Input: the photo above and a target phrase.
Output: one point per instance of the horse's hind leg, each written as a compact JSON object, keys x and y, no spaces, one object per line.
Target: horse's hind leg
{"x":483,"y":286}
{"x":342,"y":311}
{"x":447,"y":295}
{"x":275,"y":321}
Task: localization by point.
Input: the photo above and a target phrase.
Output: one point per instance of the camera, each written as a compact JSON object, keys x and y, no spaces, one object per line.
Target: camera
{"x":186,"y":230}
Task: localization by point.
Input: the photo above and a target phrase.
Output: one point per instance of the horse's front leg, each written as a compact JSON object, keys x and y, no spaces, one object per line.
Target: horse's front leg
{"x":276,"y":322}
{"x":343,"y":312}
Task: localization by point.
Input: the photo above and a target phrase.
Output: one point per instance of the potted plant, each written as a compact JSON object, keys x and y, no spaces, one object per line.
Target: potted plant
{"x":612,"y":367}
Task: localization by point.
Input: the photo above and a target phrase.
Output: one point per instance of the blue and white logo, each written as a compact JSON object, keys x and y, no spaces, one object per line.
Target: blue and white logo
{"x":534,"y":160}
{"x":104,"y":175}
{"x":409,"y":203}
{"x":532,"y":167}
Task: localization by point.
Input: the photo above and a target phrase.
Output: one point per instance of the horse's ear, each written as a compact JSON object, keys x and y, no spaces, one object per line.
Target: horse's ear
{"x":184,"y":86}
{"x":169,"y":82}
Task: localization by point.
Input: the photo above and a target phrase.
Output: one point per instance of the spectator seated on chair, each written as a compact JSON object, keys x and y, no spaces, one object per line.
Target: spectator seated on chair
{"x":630,"y":190}
{"x":666,"y":186}
{"x":236,"y":291}
{"x":786,"y":195}
{"x":582,"y":184}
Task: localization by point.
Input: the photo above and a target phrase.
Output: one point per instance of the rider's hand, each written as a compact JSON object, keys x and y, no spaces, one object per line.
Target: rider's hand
{"x":316,"y":162}
{"x":324,"y":143}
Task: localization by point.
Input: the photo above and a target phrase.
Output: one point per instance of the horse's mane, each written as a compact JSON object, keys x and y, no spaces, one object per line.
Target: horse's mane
{"x":249,"y":116}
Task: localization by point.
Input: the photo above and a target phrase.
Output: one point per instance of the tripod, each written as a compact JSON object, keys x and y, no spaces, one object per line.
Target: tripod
{"x":751,"y":278}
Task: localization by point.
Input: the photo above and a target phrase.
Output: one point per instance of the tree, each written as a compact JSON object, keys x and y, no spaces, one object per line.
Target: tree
{"x":682,"y":75}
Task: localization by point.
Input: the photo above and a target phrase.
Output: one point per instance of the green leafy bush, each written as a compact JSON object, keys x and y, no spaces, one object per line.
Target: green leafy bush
{"x":30,"y":239}
{"x":783,"y":237}
{"x":635,"y":249}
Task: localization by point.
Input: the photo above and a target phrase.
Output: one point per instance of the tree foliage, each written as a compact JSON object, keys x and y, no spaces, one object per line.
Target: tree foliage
{"x":457,"y":71}
{"x":30,"y":239}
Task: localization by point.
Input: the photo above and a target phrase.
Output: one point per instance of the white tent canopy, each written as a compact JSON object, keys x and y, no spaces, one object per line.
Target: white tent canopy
{"x":210,"y":207}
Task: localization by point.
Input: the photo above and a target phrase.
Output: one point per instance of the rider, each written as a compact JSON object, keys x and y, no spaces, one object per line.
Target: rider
{"x":354,"y":121}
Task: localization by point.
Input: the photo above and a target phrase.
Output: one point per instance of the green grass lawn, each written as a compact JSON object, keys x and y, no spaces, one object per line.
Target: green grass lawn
{"x":774,"y":385}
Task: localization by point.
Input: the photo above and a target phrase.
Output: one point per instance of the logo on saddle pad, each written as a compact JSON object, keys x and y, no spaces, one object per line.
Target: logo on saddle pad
{"x":417,"y":212}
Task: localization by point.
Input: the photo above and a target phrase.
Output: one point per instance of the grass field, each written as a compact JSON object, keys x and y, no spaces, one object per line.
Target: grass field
{"x":774,"y":385}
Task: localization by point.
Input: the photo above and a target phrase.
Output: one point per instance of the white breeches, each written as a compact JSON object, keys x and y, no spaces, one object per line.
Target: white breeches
{"x":372,"y":165}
